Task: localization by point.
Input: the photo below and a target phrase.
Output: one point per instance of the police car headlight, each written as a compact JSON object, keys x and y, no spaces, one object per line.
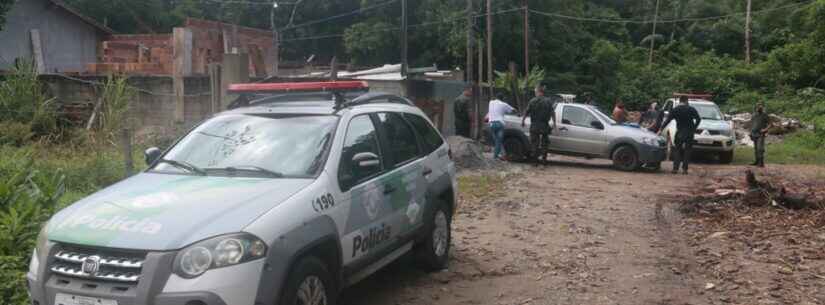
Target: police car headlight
{"x":217,"y":252}
{"x":652,"y":141}
{"x":40,"y":249}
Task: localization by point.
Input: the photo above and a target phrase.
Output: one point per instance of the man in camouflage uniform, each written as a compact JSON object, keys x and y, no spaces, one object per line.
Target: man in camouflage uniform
{"x":462,"y":112}
{"x":759,"y":129}
{"x":541,"y":110}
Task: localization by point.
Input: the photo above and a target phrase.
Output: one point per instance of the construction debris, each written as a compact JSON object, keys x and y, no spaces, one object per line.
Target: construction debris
{"x":468,"y":154}
{"x":779,"y":126}
{"x":772,"y":191}
{"x":758,"y":238}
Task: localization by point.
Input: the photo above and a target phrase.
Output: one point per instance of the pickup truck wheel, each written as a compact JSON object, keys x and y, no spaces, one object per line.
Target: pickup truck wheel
{"x":515,"y":149}
{"x":726,"y":157}
{"x":434,"y":251}
{"x":626,"y":159}
{"x":309,"y":283}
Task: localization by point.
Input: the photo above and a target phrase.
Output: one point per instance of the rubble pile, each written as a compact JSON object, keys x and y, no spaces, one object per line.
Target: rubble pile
{"x":468,"y":154}
{"x":779,"y":126}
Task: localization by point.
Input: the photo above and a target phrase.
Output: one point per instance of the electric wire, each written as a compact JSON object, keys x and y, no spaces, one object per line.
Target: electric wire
{"x":690,"y":19}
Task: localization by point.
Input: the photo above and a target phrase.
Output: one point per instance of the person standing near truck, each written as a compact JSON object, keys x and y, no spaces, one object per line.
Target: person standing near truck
{"x":540,"y":109}
{"x":619,"y":114}
{"x":759,"y":129}
{"x":495,"y":113}
{"x":462,"y":112}
{"x":687,"y":120}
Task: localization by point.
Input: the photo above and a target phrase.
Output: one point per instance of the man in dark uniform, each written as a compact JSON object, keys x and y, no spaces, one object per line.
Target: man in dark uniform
{"x":462,"y":112}
{"x":759,"y":128}
{"x":540,"y":109}
{"x":687,"y":120}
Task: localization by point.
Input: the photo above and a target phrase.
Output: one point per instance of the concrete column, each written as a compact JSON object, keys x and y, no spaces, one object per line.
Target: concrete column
{"x":234,"y":70}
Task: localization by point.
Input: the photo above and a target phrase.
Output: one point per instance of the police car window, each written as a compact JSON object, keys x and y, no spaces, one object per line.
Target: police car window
{"x":401,"y":142}
{"x":577,"y":117}
{"x":361,"y":138}
{"x":255,"y":145}
{"x":432,"y":140}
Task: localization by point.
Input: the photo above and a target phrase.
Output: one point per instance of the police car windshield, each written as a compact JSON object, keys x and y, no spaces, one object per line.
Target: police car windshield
{"x":708,"y":111}
{"x":256,"y":146}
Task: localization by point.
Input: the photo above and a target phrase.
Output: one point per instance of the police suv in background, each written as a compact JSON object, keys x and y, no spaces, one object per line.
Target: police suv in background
{"x":299,"y":191}
{"x":715,"y":134}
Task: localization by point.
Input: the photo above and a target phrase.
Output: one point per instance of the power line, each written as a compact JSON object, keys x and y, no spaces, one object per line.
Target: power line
{"x":424,"y":24}
{"x":355,"y":12}
{"x":691,"y":19}
{"x":268,"y":3}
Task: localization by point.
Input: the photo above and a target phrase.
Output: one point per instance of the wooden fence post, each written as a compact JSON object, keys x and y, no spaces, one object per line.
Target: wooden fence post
{"x":126,"y":145}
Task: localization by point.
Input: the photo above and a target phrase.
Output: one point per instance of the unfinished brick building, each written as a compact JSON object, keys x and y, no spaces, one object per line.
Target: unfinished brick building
{"x":203,"y":42}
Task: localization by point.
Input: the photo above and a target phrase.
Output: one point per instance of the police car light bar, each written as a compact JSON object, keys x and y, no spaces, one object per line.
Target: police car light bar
{"x":693,"y":95}
{"x":299,"y":87}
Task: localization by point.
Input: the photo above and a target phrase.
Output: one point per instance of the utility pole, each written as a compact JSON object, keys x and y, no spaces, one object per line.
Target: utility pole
{"x":403,"y":38}
{"x":490,"y":47}
{"x":275,"y":37}
{"x":748,"y":35}
{"x":526,"y":38}
{"x":468,"y":70}
{"x":653,"y":36}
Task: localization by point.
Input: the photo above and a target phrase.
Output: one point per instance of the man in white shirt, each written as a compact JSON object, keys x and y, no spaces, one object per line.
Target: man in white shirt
{"x":495,"y":114}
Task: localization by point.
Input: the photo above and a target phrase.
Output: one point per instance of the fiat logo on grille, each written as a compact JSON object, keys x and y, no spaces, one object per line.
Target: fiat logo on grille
{"x":90,"y":265}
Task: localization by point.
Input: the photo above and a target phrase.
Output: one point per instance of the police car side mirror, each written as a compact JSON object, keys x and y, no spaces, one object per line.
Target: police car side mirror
{"x":366,"y":160}
{"x":151,"y":155}
{"x":728,"y":117}
{"x":597,"y":124}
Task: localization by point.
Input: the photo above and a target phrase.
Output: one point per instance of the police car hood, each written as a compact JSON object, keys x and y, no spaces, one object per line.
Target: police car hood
{"x":165,"y":212}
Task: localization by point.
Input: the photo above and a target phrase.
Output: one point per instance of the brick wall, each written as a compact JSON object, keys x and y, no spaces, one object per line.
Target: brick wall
{"x":152,"y":54}
{"x":153,"y":110}
{"x":208,"y":44}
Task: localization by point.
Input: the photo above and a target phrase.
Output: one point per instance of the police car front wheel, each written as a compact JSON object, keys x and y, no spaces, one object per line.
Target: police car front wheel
{"x":309,"y":283}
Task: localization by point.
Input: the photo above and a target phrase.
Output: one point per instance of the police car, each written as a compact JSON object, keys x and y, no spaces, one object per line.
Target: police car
{"x":299,"y":191}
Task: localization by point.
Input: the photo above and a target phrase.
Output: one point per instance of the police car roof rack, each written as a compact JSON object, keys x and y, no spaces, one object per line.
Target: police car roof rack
{"x":338,"y":89}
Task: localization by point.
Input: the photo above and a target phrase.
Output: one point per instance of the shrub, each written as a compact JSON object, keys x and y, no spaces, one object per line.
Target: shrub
{"x":15,"y":133}
{"x":23,"y":99}
{"x":28,"y":197}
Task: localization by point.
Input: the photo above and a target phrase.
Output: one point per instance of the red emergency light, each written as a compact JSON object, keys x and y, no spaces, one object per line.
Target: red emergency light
{"x":705,"y":96}
{"x":299,"y":87}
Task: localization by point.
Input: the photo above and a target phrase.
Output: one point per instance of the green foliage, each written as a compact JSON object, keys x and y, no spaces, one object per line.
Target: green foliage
{"x":799,"y":148}
{"x":117,"y":94}
{"x":28,"y":197}
{"x":367,"y":46}
{"x":5,"y":6}
{"x":14,"y":133}
{"x":519,"y":87}
{"x":23,"y":99}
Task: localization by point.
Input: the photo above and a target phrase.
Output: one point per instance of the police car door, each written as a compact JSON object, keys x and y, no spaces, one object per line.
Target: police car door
{"x":406,"y":176}
{"x":361,"y":175}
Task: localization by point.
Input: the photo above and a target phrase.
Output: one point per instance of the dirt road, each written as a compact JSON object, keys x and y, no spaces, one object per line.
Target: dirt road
{"x":576,"y":232}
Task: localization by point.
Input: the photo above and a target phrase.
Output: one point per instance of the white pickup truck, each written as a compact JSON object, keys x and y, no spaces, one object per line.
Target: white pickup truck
{"x":715,"y":134}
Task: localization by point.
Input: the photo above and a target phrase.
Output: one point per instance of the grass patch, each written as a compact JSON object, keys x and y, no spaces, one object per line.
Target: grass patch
{"x":478,"y":188}
{"x":796,"y":149}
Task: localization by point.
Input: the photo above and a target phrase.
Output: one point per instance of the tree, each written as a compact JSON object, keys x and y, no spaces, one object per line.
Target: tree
{"x":5,"y":6}
{"x":372,"y":43}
